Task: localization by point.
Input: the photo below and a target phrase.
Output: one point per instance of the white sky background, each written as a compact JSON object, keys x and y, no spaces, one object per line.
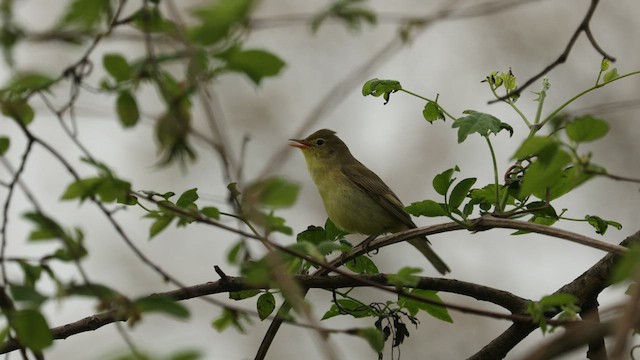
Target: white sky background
{"x":450,"y":58}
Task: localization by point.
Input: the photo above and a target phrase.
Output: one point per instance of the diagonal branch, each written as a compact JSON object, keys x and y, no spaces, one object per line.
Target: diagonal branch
{"x":583,"y":27}
{"x":585,"y":288}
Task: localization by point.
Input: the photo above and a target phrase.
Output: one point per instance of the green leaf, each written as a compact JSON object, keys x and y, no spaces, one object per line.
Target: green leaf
{"x":432,"y":112}
{"x":610,"y":75}
{"x":117,"y":66}
{"x":362,"y":265}
{"x":82,"y":188}
{"x":256,"y":272}
{"x":627,"y":267}
{"x":551,"y":301}
{"x":4,"y":145}
{"x":374,"y":337}
{"x":18,"y":109}
{"x":405,"y":277}
{"x":265,"y":305}
{"x":188,"y":198}
{"x":28,"y":82}
{"x":544,"y":173}
{"x":333,"y":232}
{"x":534,"y":146}
{"x":437,"y":311}
{"x":459,"y":192}
{"x":570,"y":179}
{"x":85,"y":14}
{"x":346,"y":11}
{"x":427,"y":208}
{"x":159,"y":225}
{"x":586,"y":128}
{"x":256,"y":64}
{"x":243,"y":294}
{"x":162,"y":304}
{"x":604,"y":65}
{"x":31,"y":329}
{"x":211,"y":212}
{"x":313,"y":234}
{"x":127,"y":109}
{"x":229,"y":318}
{"x":477,"y":122}
{"x":377,"y":87}
{"x":151,"y":20}
{"x":217,"y":19}
{"x":348,"y":307}
{"x":93,"y":290}
{"x":273,"y":193}
{"x":442,"y":181}
{"x":600,"y":224}
{"x":28,"y":294}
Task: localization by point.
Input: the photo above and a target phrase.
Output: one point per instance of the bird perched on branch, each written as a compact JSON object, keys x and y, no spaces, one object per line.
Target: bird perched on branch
{"x":355,"y":198}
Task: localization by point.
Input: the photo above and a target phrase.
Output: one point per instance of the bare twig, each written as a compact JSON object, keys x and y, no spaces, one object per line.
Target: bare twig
{"x":583,"y":27}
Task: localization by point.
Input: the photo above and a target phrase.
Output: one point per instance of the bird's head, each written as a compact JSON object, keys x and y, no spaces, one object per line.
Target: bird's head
{"x":322,"y":145}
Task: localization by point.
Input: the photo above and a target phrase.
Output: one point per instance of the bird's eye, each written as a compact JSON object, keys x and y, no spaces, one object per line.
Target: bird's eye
{"x":320,"y":142}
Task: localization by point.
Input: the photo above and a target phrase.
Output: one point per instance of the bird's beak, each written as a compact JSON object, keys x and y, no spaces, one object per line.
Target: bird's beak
{"x":301,"y":144}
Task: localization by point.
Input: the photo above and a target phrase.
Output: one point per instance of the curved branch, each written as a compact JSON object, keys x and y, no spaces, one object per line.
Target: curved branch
{"x":585,"y":288}
{"x":511,"y":302}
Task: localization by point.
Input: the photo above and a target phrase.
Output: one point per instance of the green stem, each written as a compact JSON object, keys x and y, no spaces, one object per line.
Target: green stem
{"x":597,"y":86}
{"x":508,"y":101}
{"x":427,"y":99}
{"x":495,"y":174}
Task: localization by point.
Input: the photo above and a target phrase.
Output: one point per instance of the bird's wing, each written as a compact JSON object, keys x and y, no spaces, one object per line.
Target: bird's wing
{"x":373,"y":186}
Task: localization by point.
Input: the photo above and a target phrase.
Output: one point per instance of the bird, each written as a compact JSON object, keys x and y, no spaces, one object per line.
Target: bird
{"x":354,"y":197}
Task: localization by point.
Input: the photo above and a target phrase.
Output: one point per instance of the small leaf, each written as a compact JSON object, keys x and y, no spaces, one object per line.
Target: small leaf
{"x":542,"y":175}
{"x":627,"y":267}
{"x":534,"y":146}
{"x":187,"y":198}
{"x":362,"y":265}
{"x":432,"y":112}
{"x":217,"y":19}
{"x":243,"y":294}
{"x":85,"y":14}
{"x":442,"y":181}
{"x":405,"y":277}
{"x":374,"y":337}
{"x":459,"y":192}
{"x":211,"y":212}
{"x":31,"y":329}
{"x":377,"y":87}
{"x":256,"y":64}
{"x":554,"y":300}
{"x":477,"y":122}
{"x":4,"y":145}
{"x":427,"y":208}
{"x":18,"y":109}
{"x":157,"y":303}
{"x":313,"y":234}
{"x":117,"y":66}
{"x":610,"y":75}
{"x":600,"y":224}
{"x":586,"y":128}
{"x":604,"y":65}
{"x":273,"y":192}
{"x":437,"y":311}
{"x":159,"y":225}
{"x":28,"y":82}
{"x":127,"y":109}
{"x":333,"y":233}
{"x":265,"y":305}
{"x":228,"y":318}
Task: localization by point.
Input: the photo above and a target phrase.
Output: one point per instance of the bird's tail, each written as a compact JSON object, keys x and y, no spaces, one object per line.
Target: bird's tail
{"x":422,"y":244}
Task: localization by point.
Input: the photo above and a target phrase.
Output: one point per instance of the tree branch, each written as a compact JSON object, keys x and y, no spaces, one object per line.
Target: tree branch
{"x":585,"y":287}
{"x":583,"y":27}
